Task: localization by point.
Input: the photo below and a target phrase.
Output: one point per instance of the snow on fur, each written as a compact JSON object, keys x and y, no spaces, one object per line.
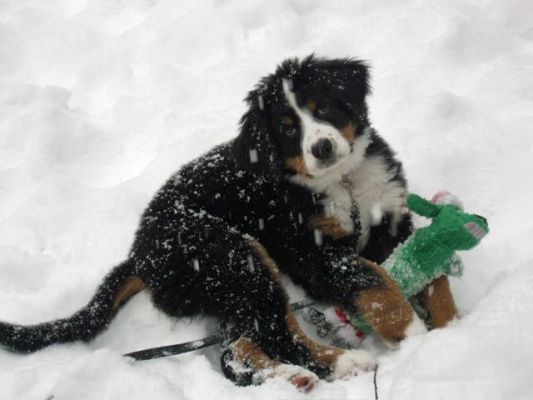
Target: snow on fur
{"x":101,"y":101}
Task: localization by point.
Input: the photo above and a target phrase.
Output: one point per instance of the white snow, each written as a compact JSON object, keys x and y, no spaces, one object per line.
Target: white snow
{"x":101,"y":100}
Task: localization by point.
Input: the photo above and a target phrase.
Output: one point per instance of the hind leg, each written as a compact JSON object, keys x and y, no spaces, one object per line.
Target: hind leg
{"x":437,"y":299}
{"x":230,"y":276}
{"x":245,"y":363}
{"x":278,"y":336}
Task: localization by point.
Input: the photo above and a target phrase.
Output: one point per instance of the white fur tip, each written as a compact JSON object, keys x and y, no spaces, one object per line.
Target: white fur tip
{"x":351,"y":363}
{"x":377,"y":214}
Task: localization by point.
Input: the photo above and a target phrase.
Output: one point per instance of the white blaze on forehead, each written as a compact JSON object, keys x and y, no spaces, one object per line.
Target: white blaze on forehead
{"x":312,"y":131}
{"x":291,"y":99}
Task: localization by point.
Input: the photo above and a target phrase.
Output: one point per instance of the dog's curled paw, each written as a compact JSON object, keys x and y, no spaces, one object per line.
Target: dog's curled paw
{"x":303,"y":379}
{"x":351,"y":363}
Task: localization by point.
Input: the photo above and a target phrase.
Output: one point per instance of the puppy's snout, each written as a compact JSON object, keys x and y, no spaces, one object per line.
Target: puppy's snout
{"x":323,"y":149}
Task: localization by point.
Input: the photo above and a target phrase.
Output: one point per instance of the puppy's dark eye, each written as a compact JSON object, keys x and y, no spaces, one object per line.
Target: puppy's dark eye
{"x":287,"y":126}
{"x":290,"y":132}
{"x":323,"y":110}
{"x":311,"y":105}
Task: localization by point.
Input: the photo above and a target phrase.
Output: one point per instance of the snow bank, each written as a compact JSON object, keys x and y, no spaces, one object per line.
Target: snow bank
{"x":101,"y":100}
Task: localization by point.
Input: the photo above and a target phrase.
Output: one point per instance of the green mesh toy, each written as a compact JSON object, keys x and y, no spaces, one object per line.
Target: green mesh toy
{"x":431,"y":251}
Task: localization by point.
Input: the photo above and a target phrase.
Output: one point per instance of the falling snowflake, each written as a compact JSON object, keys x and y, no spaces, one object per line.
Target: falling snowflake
{"x":253,"y":156}
{"x":251,"y":263}
{"x":318,"y":237}
{"x":196,"y":264}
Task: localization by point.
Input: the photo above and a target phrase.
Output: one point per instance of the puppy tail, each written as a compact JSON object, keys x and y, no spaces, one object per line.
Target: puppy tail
{"x":118,"y":286}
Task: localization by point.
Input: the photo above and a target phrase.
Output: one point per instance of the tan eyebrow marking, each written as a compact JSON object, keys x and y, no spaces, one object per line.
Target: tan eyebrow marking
{"x":286,"y":120}
{"x":349,"y":132}
{"x":311,"y":105}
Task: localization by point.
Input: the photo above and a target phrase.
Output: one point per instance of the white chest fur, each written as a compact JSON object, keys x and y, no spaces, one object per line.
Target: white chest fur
{"x":371,"y":187}
{"x":376,"y":194}
{"x":365,"y":180}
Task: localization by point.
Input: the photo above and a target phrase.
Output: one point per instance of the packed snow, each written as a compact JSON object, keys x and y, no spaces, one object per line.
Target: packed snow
{"x":101,"y":100}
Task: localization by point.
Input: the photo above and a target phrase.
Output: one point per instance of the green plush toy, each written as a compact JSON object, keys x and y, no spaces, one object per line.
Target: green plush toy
{"x":431,"y":251}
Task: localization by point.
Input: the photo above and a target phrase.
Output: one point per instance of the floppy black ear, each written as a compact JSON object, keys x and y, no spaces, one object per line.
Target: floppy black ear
{"x":254,"y":148}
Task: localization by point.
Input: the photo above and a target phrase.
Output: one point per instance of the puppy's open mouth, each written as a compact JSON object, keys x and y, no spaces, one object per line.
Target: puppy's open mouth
{"x":477,"y":231}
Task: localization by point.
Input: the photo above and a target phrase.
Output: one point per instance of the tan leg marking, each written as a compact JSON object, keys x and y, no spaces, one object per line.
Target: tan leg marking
{"x":133,"y":285}
{"x":247,"y":352}
{"x":341,"y":362}
{"x":329,"y":226}
{"x":437,"y":299}
{"x":325,"y":355}
{"x":266,"y":260}
{"x":385,"y":307}
{"x":244,"y":350}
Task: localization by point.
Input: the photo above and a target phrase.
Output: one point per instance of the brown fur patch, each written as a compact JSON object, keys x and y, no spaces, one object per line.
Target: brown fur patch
{"x":349,"y":132}
{"x":297,"y":164}
{"x":311,"y":105}
{"x":246,"y":351}
{"x":266,"y":260}
{"x":437,"y":299}
{"x":325,"y":355}
{"x":385,"y":307}
{"x":133,"y":285}
{"x":329,"y":226}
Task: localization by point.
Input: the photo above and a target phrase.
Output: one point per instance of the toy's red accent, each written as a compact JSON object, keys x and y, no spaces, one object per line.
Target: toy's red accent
{"x":344,"y":319}
{"x":342,"y":316}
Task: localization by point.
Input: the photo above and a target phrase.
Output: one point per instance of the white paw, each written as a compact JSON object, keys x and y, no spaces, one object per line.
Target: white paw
{"x":351,"y":363}
{"x":303,"y":379}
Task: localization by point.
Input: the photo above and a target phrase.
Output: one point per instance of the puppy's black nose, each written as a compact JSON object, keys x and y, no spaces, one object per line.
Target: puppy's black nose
{"x":323,"y":149}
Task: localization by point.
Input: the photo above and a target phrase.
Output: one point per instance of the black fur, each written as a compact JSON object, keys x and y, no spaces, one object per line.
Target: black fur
{"x":83,"y":325}
{"x":192,"y":248}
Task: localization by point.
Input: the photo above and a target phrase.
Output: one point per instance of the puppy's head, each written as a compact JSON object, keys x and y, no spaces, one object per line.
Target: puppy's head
{"x":307,"y":119}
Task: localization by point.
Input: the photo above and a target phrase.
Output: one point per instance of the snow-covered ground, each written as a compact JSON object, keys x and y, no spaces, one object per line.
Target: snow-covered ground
{"x":100,"y":100}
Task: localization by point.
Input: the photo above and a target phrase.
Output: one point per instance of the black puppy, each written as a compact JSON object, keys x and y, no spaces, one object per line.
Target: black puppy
{"x":305,"y":188}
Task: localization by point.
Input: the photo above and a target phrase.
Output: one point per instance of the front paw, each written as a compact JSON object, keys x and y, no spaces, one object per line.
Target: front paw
{"x":351,"y":363}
